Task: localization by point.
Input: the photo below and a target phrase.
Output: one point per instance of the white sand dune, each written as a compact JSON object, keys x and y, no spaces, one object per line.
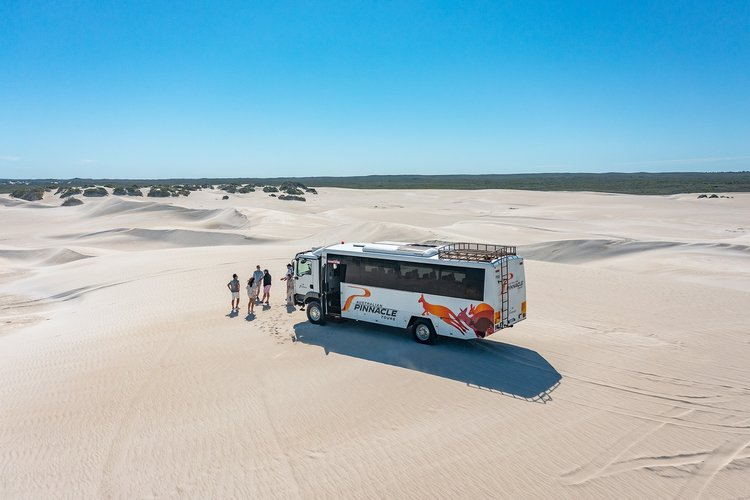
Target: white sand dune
{"x":223,"y":218}
{"x":158,"y":238}
{"x":123,"y":375}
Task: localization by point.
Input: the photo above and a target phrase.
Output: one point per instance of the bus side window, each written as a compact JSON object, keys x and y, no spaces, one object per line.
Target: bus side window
{"x":474,"y":283}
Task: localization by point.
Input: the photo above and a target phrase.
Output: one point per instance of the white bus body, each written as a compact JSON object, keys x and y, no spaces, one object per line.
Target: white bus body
{"x":462,"y":290}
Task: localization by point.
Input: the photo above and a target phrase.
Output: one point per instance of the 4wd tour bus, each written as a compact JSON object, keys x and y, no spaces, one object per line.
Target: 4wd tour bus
{"x":464,"y":290}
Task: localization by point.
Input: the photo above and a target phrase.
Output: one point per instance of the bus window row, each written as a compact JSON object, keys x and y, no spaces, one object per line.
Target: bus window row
{"x":431,"y":279}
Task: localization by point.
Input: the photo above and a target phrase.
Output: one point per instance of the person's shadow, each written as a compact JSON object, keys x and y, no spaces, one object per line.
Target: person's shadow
{"x":290,"y":308}
{"x":233,"y":313}
{"x":266,"y":307}
{"x":250,"y":316}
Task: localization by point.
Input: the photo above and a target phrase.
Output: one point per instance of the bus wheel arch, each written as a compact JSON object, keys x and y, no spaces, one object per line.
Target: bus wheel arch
{"x":423,"y":330}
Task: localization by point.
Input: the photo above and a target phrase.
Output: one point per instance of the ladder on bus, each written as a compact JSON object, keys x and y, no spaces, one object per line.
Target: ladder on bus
{"x":504,"y":301}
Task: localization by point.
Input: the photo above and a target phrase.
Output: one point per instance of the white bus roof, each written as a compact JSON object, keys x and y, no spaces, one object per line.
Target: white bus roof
{"x":433,"y":250}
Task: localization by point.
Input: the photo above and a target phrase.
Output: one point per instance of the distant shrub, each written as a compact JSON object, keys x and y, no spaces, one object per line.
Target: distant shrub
{"x":714,"y":196}
{"x":702,"y":196}
{"x":291,"y":197}
{"x":110,"y":186}
{"x":246,"y":189}
{"x":270,"y":189}
{"x":95,"y":192}
{"x":311,"y":190}
{"x":120,"y":191}
{"x":272,"y":195}
{"x":28,"y":193}
{"x":70,"y":192}
{"x":225,"y":197}
{"x":229,"y":188}
{"x":72,"y":202}
{"x":290,"y":186}
{"x":159,"y":192}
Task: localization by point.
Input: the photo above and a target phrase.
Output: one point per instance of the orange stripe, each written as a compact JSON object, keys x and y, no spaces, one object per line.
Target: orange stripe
{"x":348,"y":302}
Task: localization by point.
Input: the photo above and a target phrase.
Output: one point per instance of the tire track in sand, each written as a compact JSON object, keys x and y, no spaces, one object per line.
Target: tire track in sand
{"x":712,"y":466}
{"x":604,"y":462}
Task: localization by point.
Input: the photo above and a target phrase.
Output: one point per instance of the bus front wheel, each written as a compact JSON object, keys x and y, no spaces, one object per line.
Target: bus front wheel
{"x":423,"y":331}
{"x":314,"y":312}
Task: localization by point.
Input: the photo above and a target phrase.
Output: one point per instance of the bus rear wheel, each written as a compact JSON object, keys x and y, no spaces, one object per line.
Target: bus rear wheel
{"x":314,"y":312}
{"x":423,"y":331}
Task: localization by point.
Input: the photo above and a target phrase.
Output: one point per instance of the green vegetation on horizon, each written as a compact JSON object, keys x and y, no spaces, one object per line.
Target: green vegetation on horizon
{"x":625,"y":183}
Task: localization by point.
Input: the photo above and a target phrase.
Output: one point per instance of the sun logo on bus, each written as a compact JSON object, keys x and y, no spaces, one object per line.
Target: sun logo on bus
{"x":351,"y":298}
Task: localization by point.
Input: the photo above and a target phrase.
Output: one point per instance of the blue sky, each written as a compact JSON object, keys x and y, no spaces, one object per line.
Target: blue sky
{"x":222,"y":89}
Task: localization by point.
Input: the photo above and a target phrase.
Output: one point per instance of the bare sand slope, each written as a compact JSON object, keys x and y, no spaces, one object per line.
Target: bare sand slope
{"x":122,"y":373}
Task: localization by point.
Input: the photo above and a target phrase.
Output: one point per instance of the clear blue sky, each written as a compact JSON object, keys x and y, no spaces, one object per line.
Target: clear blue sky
{"x":192,"y":89}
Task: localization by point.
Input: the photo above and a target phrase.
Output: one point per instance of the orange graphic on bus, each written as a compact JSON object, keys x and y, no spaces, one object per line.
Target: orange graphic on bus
{"x":479,"y":318}
{"x":443,"y":313}
{"x":351,"y":298}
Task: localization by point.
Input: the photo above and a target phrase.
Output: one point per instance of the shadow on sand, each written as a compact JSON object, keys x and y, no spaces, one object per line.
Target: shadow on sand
{"x":483,"y":364}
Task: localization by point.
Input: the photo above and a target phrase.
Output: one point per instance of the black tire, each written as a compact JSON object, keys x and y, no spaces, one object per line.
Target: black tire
{"x":423,"y":331}
{"x":315,"y":312}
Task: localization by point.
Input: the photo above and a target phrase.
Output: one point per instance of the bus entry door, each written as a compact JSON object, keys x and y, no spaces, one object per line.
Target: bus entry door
{"x":333,"y":287}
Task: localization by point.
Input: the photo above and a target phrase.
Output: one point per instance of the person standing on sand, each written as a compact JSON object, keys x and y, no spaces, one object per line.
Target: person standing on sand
{"x":289,"y":278}
{"x":266,"y":287}
{"x":234,"y":287}
{"x":252,"y":295}
{"x":258,"y":275}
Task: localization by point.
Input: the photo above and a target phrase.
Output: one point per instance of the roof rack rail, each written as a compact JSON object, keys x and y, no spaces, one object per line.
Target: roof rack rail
{"x":474,"y":251}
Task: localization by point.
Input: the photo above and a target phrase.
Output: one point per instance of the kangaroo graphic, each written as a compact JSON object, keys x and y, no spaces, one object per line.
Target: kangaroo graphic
{"x":444,"y":314}
{"x":478,"y":318}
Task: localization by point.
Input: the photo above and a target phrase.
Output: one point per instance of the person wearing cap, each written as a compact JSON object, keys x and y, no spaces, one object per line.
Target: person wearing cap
{"x":289,"y":278}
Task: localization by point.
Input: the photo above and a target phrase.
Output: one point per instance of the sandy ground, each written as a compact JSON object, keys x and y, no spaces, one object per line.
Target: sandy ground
{"x":122,"y":373}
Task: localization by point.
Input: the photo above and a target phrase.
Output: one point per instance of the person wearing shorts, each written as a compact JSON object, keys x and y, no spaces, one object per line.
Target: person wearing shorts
{"x":234,"y":287}
{"x":266,"y":287}
{"x":252,"y":294}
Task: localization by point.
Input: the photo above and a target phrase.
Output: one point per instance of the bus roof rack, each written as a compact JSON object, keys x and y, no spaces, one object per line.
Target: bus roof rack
{"x":474,"y":251}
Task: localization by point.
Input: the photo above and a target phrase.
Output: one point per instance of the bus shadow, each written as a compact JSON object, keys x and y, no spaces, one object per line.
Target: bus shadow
{"x":483,"y":364}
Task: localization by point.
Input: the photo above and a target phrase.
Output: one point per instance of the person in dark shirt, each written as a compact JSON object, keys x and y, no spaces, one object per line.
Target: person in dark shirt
{"x":266,"y":287}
